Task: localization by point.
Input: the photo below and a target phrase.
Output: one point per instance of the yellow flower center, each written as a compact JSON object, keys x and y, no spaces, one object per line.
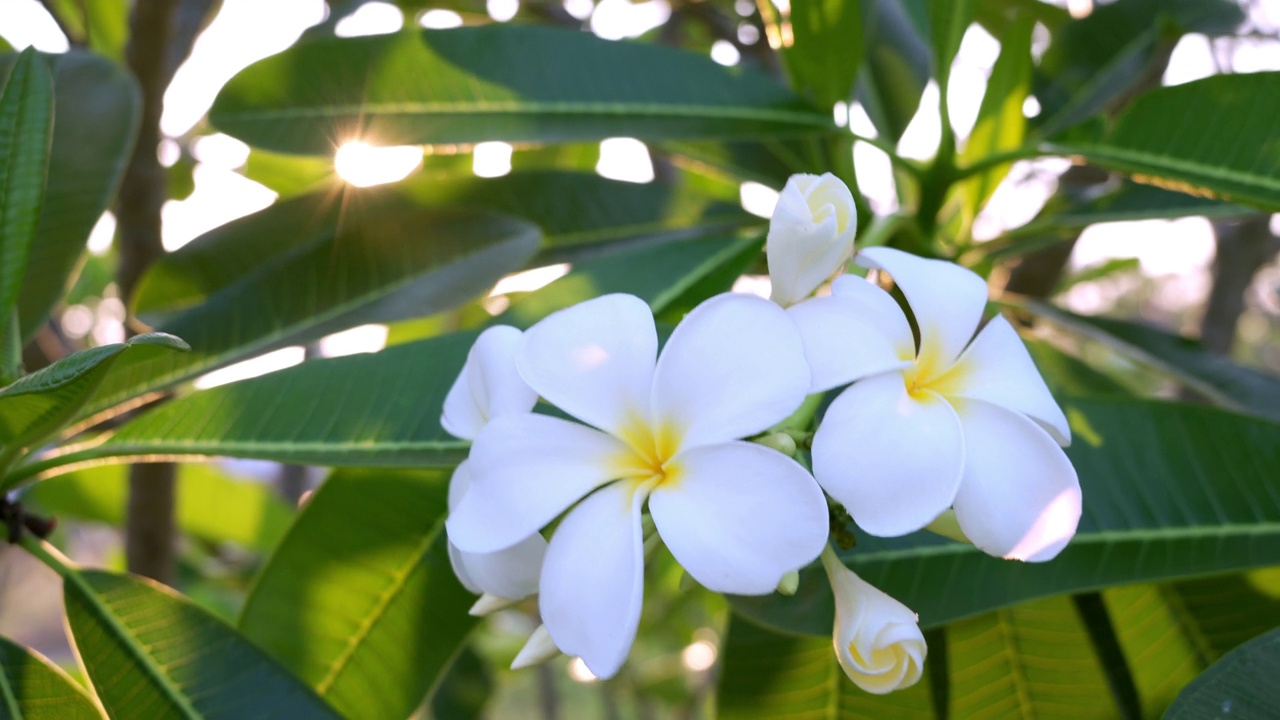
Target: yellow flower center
{"x":929,"y":373}
{"x":649,"y":452}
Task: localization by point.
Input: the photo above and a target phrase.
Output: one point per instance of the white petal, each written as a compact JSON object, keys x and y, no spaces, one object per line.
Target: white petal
{"x":489,"y":384}
{"x":510,"y":574}
{"x":594,"y":360}
{"x":739,"y":516}
{"x":1020,"y":498}
{"x":840,"y":343}
{"x":997,"y":368}
{"x":733,"y":367}
{"x":877,"y":307}
{"x":593,"y":578}
{"x":893,"y":460}
{"x":539,"y":649}
{"x":946,"y":299}
{"x":525,"y":470}
{"x":810,"y":235}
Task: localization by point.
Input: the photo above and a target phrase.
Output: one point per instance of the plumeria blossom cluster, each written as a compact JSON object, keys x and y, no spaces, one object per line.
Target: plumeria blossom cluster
{"x":948,"y":423}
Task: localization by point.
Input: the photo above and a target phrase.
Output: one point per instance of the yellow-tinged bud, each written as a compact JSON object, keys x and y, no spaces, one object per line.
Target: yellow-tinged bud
{"x":789,"y":583}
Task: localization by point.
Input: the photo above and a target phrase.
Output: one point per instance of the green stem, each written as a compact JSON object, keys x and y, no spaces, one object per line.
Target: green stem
{"x":911,"y":166}
{"x":49,"y":555}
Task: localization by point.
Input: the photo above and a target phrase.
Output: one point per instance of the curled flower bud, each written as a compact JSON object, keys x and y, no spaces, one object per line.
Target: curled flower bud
{"x":810,"y":235}
{"x":878,"y":639}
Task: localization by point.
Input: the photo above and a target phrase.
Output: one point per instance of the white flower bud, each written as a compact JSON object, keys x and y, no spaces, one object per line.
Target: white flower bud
{"x":539,"y":649}
{"x":810,"y":235}
{"x":878,"y":639}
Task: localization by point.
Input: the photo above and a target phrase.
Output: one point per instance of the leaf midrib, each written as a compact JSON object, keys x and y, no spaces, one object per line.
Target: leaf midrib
{"x":131,"y":644}
{"x":529,"y":108}
{"x":401,"y":577}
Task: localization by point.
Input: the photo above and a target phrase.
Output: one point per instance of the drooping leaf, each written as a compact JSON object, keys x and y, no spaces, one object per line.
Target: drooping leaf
{"x":41,"y":403}
{"x":1213,"y":376}
{"x":1104,"y":269}
{"x":32,"y":688}
{"x":211,"y":505}
{"x":1241,"y":685}
{"x":387,"y":261}
{"x":26,"y":126}
{"x":896,"y":68}
{"x":95,"y":118}
{"x":819,"y":45}
{"x":1211,"y":136}
{"x":152,"y":653}
{"x":1170,"y":492}
{"x":359,"y":600}
{"x":948,"y":20}
{"x":473,"y":84}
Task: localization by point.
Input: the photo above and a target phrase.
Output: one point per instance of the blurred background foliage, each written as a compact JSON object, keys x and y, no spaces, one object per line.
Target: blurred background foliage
{"x":327,"y":200}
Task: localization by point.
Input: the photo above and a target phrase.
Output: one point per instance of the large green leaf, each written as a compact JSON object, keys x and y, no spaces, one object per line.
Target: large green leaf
{"x":26,"y":126}
{"x":1212,"y":136}
{"x":948,"y":20}
{"x":1241,"y":685}
{"x":359,"y":600}
{"x":249,"y":513}
{"x":819,"y":45}
{"x":95,"y":117}
{"x":1171,"y":632}
{"x":389,"y":260}
{"x":32,"y":688}
{"x":896,"y":68}
{"x":383,"y":409}
{"x":1095,"y":64}
{"x":576,"y":212}
{"x":1217,"y":378}
{"x":42,"y":402}
{"x":1032,"y":660}
{"x":1170,"y":491}
{"x":153,"y":653}
{"x":472,"y":84}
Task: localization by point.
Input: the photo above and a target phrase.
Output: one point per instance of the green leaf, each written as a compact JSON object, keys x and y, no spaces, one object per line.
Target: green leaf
{"x":1170,"y":492}
{"x":1000,"y":126}
{"x":815,"y":37}
{"x":1032,"y":660}
{"x":896,"y":67}
{"x":1104,"y":269}
{"x":465,"y":689}
{"x":1211,"y":136}
{"x":770,"y":676}
{"x":383,"y":409}
{"x":39,"y":404}
{"x":671,"y":277}
{"x":1217,"y":378}
{"x":579,"y":213}
{"x":473,"y":84}
{"x":1173,"y":631}
{"x":249,"y":513}
{"x":388,"y":260}
{"x":1096,"y":64}
{"x":95,"y":118}
{"x":359,"y":600}
{"x":32,"y":688}
{"x":948,"y":20}
{"x":1241,"y":685}
{"x":153,"y":653}
{"x":102,"y":25}
{"x":26,"y":126}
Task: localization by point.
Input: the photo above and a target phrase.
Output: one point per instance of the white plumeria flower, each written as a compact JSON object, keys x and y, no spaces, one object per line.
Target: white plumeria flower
{"x":489,"y":386}
{"x":878,"y":640}
{"x":810,"y":235}
{"x":952,"y":423}
{"x":736,"y":515}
